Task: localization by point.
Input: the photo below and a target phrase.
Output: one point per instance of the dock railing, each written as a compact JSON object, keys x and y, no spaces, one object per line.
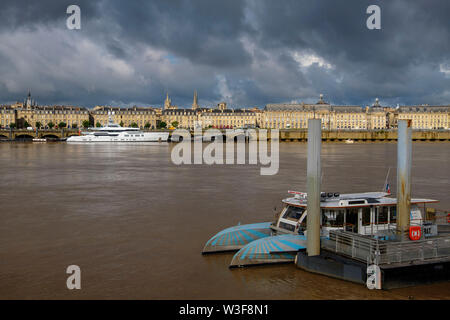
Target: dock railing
{"x":381,"y":252}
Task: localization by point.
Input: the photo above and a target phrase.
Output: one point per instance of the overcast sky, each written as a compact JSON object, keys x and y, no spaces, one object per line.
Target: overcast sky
{"x":245,"y":52}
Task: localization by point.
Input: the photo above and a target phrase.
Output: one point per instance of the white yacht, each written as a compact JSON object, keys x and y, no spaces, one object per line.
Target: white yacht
{"x":115,"y":133}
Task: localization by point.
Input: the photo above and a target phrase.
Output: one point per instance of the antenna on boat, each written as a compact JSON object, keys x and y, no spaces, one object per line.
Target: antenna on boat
{"x":386,"y":187}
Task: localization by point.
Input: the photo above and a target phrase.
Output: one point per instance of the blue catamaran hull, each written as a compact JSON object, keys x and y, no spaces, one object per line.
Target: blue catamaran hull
{"x":274,"y":249}
{"x":235,"y":238}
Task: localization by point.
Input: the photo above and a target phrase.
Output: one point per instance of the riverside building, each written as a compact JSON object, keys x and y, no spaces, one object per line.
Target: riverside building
{"x":29,"y":114}
{"x":295,"y":116}
{"x":273,"y":116}
{"x":375,"y":117}
{"x":7,"y":116}
{"x":142,"y":117}
{"x":426,"y":117}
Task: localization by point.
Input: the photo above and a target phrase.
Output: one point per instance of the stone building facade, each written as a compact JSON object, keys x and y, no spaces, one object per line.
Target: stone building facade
{"x":143,"y":117}
{"x":275,"y":116}
{"x":426,"y":117}
{"x":29,"y":114}
{"x":7,"y":116}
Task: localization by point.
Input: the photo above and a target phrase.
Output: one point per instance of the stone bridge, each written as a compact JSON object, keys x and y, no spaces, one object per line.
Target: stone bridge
{"x":23,"y":134}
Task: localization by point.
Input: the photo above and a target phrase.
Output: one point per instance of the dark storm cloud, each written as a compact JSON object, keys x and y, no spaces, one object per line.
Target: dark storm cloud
{"x":247,"y":53}
{"x":204,"y":31}
{"x":413,"y":34}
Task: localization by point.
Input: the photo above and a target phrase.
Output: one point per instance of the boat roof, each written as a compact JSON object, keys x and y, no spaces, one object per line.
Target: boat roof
{"x":351,"y":200}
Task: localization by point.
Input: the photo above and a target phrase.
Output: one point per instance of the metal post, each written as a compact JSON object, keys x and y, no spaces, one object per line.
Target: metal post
{"x":313,"y":186}
{"x":404,"y":156}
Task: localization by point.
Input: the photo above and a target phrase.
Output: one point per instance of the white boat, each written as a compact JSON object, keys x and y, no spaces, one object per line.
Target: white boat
{"x":115,"y":133}
{"x":39,"y":140}
{"x":349,"y":141}
{"x":370,"y":214}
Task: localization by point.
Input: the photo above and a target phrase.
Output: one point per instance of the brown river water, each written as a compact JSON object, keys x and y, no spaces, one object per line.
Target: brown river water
{"x":136,"y":223}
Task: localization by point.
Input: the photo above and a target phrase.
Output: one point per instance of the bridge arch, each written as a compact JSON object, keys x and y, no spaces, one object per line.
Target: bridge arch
{"x":23,"y":137}
{"x":49,"y":136}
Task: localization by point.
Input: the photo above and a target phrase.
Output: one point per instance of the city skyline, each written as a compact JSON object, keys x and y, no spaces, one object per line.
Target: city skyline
{"x":247,"y":53}
{"x":321,"y":99}
{"x":280,"y":116}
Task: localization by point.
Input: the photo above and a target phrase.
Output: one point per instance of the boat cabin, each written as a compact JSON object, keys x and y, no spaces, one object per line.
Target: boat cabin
{"x":370,"y":213}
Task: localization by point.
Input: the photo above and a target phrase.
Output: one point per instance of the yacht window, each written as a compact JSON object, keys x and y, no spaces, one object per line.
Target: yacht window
{"x":333,"y":218}
{"x":366,"y":216}
{"x":393,"y":214}
{"x":293,"y":213}
{"x":382,"y":215}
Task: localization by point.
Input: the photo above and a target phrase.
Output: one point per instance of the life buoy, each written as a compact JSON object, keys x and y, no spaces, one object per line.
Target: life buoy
{"x":448,"y":218}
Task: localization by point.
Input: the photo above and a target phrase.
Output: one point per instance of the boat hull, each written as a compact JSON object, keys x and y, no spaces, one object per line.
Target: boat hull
{"x":121,"y":138}
{"x":235,"y":238}
{"x":273,"y":249}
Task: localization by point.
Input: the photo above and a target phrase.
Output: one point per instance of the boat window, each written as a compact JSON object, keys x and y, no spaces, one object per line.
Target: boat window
{"x":365,"y":216}
{"x":383,"y":215}
{"x":287,"y":226}
{"x":357,"y":202}
{"x":293,"y":213}
{"x":351,"y":219}
{"x":333,"y":218}
{"x":393,"y":214}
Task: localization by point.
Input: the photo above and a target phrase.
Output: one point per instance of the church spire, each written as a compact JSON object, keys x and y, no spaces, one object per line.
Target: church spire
{"x":28,"y":103}
{"x":195,"y":103}
{"x":168,"y":102}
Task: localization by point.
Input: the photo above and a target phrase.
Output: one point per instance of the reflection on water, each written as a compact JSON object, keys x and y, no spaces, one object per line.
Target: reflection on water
{"x":136,"y":224}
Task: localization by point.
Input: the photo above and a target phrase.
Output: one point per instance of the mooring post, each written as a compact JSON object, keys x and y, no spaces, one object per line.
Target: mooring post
{"x":313,"y":187}
{"x":404,"y":156}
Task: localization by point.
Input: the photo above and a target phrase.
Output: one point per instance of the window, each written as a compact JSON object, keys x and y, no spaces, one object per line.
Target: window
{"x":287,"y":226}
{"x":293,"y":213}
{"x":333,"y":218}
{"x":382,"y":215}
{"x":365,"y":216}
{"x":393,"y":214}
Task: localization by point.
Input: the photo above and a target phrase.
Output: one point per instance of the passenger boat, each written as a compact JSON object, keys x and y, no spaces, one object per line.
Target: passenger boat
{"x":115,"y":133}
{"x":369,"y":213}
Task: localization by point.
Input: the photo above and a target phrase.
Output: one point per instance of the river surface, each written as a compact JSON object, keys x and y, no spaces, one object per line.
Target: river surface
{"x":136,"y":223}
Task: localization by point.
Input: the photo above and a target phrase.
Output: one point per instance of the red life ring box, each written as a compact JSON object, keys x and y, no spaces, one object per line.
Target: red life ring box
{"x":415,"y":233}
